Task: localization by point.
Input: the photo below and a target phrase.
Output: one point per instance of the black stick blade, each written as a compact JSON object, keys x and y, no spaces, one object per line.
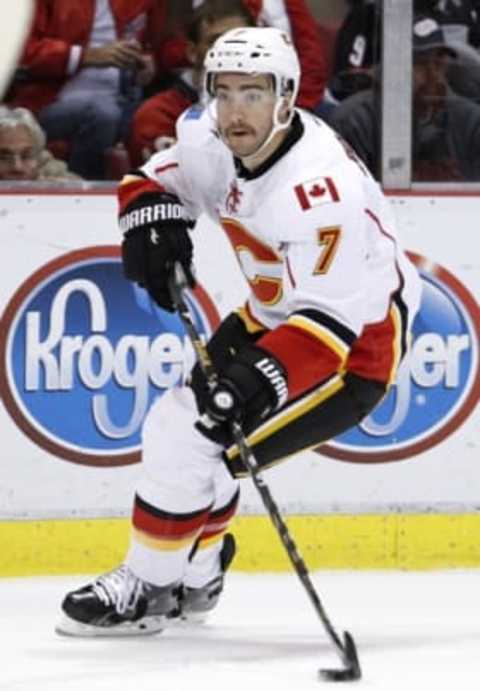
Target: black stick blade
{"x":351,"y":671}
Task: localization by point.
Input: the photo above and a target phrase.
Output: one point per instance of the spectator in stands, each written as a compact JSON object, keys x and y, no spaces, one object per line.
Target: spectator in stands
{"x":460,"y":22}
{"x":446,"y":126}
{"x":80,"y":74}
{"x":358,"y":47}
{"x":153,"y":126}
{"x":22,"y":150}
{"x":356,"y":54}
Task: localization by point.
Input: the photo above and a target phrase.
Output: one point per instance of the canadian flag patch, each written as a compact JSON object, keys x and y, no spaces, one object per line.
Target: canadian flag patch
{"x":316,"y":192}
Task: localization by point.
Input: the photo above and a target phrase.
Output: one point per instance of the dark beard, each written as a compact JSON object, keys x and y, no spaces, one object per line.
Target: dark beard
{"x":430,"y":101}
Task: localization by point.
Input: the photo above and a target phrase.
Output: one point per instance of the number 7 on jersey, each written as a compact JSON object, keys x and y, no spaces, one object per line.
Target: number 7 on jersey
{"x":328,"y":238}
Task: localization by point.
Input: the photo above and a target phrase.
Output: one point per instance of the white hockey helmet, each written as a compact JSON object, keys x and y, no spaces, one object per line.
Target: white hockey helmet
{"x":255,"y":50}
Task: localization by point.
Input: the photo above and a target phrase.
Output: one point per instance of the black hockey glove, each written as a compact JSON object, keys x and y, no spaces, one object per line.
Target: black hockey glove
{"x":250,"y":388}
{"x":230,"y":337}
{"x":155,"y":237}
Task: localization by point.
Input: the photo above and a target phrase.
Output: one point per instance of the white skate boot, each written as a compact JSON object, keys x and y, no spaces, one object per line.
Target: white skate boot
{"x":196,"y":603}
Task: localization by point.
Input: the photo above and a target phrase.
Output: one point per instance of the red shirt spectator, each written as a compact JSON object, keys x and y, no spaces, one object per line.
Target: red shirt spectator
{"x":81,"y":74}
{"x":55,"y":49}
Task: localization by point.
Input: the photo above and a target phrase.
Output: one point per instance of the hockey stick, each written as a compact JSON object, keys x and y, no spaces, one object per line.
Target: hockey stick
{"x":346,"y":649}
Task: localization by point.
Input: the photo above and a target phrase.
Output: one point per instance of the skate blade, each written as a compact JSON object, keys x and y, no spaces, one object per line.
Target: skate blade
{"x":147,"y":626}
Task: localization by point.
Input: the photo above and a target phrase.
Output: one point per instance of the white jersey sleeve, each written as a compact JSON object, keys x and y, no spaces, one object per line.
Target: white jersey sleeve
{"x":195,"y":167}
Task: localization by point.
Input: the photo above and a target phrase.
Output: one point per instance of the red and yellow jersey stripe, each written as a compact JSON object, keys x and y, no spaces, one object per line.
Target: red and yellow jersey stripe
{"x":133,"y":186}
{"x":311,"y":345}
{"x":218,"y":522}
{"x":164,"y":531}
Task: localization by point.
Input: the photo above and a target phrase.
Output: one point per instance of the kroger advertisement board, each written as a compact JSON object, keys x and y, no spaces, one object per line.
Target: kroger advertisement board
{"x":83,"y":354}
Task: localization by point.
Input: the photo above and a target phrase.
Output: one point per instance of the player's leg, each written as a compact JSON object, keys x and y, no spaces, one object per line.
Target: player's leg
{"x":175,"y":498}
{"x":213,"y":551}
{"x":179,"y":545}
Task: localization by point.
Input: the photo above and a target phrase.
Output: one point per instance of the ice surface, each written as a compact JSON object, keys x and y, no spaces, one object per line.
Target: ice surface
{"x":413,"y":631}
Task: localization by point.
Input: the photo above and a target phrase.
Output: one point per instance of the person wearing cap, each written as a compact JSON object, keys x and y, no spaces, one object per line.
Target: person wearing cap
{"x":445,"y":125}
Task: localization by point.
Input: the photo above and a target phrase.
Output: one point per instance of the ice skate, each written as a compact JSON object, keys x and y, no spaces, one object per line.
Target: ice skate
{"x":118,"y":604}
{"x":196,"y":603}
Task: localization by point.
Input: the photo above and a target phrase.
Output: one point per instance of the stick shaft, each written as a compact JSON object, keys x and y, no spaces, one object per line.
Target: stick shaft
{"x":250,"y":462}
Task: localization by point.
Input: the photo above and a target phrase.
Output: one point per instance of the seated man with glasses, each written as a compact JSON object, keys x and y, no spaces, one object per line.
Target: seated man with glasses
{"x":23,"y":155}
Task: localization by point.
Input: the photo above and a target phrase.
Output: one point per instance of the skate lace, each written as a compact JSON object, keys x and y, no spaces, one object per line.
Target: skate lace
{"x":120,"y":588}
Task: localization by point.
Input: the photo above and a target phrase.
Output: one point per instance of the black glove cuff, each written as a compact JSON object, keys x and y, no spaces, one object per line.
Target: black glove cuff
{"x":155,"y":238}
{"x":269,"y":372}
{"x":152,"y":209}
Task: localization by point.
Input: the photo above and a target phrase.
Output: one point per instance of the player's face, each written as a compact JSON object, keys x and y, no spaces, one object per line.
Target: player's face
{"x":245,"y":106}
{"x":19,"y":154}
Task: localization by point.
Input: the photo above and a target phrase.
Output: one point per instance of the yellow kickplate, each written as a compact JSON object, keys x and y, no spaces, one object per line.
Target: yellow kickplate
{"x":387,"y":541}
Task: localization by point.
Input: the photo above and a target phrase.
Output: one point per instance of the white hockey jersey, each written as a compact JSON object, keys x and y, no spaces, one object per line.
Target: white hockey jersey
{"x":315,"y":239}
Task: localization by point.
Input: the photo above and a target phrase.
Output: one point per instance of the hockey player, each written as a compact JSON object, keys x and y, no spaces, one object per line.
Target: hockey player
{"x":310,"y":354}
